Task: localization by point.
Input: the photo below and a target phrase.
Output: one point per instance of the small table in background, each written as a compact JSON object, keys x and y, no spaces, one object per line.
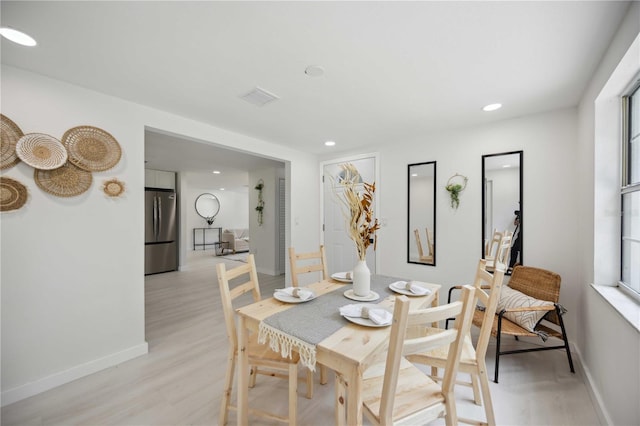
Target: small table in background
{"x":204,"y":242}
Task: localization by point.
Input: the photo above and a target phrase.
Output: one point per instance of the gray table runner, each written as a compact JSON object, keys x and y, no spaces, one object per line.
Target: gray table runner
{"x":305,"y":325}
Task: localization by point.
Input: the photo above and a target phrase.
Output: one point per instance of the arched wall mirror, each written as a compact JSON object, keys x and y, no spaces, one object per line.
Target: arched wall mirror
{"x":421,"y":232}
{"x":502,"y":200}
{"x":207,"y":206}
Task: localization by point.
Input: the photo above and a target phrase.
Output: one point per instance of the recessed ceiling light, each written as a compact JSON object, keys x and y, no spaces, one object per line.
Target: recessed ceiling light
{"x":314,"y":71}
{"x":492,"y":107}
{"x":330,"y":143}
{"x":216,"y":172}
{"x":17,"y":37}
{"x":221,"y":189}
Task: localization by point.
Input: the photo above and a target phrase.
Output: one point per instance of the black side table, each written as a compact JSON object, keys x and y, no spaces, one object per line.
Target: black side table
{"x":204,"y":243}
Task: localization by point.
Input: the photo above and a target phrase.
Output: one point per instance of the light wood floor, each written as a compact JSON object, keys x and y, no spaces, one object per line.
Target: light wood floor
{"x":179,"y":381}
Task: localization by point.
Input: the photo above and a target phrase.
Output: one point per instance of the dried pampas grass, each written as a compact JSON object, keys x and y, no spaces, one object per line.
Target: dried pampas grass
{"x":357,"y":207}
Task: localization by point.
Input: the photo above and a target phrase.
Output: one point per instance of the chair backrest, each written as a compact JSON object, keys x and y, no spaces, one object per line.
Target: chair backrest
{"x":320,"y":264}
{"x":228,"y":295}
{"x":429,"y":241}
{"x":538,"y":283}
{"x":491,"y":247}
{"x":488,"y":286}
{"x":421,"y":254}
{"x":398,"y":346}
{"x":498,"y":249}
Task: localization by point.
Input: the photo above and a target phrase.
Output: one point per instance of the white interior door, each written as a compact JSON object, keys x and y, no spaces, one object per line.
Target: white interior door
{"x":340,"y":249}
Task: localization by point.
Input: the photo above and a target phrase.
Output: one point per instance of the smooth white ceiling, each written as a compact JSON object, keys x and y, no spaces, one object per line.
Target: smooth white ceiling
{"x":393,"y":70}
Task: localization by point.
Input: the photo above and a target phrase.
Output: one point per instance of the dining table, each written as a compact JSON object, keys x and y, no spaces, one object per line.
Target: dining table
{"x":320,"y":335}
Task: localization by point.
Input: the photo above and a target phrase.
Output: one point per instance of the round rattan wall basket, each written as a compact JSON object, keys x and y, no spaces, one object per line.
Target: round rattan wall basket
{"x":10,"y":133}
{"x":41,"y":151}
{"x":65,"y":181}
{"x":91,"y":148}
{"x":13,"y":194}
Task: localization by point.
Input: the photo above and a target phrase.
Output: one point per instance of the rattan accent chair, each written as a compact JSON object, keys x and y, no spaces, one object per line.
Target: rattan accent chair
{"x":540,"y":284}
{"x":271,"y":363}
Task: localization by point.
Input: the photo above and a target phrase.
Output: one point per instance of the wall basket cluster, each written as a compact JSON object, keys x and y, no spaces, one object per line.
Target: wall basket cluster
{"x":61,"y":167}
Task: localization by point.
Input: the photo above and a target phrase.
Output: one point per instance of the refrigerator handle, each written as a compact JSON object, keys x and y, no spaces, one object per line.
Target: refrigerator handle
{"x":159,"y":214}
{"x":155,"y":217}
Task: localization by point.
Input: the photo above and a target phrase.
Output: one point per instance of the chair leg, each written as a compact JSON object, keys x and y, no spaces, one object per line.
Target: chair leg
{"x":293,"y":393}
{"x":476,"y":389}
{"x":309,"y":383}
{"x":564,"y":338}
{"x":228,"y":387}
{"x":253,"y":374}
{"x":486,"y":394}
{"x":451,"y":416}
{"x":495,"y":376}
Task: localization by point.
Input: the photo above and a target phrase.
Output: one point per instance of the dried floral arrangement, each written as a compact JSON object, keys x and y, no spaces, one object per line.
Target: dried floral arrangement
{"x":357,"y":207}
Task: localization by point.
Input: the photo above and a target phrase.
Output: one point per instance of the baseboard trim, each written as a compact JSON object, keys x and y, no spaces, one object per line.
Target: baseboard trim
{"x":595,"y":396}
{"x":267,"y":271}
{"x":33,"y":388}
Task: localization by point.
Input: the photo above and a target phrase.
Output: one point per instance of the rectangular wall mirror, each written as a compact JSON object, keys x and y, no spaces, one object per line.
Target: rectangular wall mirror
{"x":421,"y":233}
{"x":502,"y":200}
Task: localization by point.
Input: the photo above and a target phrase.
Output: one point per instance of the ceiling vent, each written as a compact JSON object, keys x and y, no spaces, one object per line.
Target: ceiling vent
{"x":259,"y":97}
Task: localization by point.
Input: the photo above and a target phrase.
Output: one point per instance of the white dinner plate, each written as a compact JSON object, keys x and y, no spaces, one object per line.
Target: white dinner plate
{"x":366,"y":321}
{"x":406,"y":292}
{"x":342,"y":277}
{"x":350,"y":294}
{"x":291,"y":299}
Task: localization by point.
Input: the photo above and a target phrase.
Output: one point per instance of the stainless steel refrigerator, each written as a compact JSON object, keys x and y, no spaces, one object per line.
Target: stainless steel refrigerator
{"x":160,"y":231}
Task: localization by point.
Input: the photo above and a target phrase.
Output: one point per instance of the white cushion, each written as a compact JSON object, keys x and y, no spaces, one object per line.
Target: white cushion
{"x":510,"y":298}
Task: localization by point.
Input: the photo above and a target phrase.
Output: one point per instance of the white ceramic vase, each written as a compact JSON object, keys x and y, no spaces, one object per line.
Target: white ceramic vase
{"x":361,"y":279}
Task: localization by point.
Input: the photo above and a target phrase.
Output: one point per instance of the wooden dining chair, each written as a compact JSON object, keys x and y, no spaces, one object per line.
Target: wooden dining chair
{"x":261,"y":358}
{"x":421,"y":256}
{"x":300,"y":264}
{"x":498,"y":249}
{"x":487,"y":292}
{"x":304,"y":263}
{"x":396,"y":391}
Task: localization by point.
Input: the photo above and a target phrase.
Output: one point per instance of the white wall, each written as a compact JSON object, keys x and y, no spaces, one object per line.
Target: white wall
{"x":73,"y":269}
{"x":234,"y":211}
{"x":609,"y":345}
{"x":548,"y":141}
{"x":264,"y":238}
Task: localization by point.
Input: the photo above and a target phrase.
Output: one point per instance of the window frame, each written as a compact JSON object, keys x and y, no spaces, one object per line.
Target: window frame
{"x":627,"y":167}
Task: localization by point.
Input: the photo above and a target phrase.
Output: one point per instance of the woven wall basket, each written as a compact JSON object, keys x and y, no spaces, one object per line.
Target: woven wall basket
{"x":41,"y":151}
{"x":91,"y":148}
{"x":10,"y":133}
{"x":65,"y":181}
{"x":13,"y":194}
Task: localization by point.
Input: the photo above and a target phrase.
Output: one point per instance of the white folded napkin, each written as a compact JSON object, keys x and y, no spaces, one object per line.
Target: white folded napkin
{"x":411,"y":286}
{"x":379,"y":316}
{"x":299,"y":292}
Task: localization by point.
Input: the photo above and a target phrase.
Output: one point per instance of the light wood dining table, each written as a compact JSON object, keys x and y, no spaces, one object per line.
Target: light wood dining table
{"x":345,"y":351}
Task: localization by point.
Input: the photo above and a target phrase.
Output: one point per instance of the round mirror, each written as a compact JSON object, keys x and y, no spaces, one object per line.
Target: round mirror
{"x":207,"y":206}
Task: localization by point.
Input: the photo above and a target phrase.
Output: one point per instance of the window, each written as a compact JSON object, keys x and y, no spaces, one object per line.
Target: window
{"x":630,"y":192}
